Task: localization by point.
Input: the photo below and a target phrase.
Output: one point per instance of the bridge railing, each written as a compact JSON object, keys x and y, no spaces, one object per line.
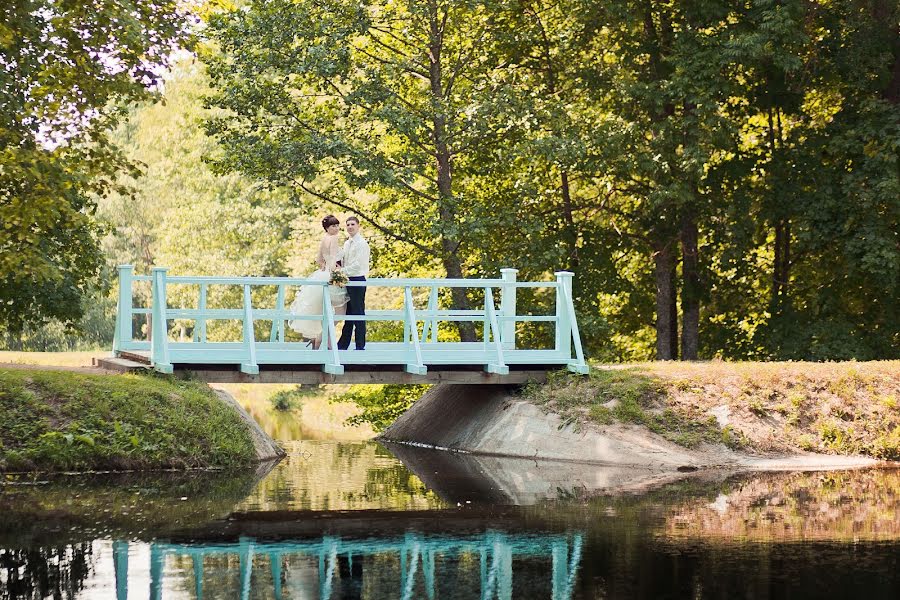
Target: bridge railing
{"x":417,"y":350}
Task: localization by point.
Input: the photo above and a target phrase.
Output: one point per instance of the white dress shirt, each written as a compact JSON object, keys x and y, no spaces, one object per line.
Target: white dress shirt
{"x":356,"y":257}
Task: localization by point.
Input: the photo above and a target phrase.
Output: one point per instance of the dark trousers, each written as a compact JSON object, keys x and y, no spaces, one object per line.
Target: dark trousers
{"x":356,"y":306}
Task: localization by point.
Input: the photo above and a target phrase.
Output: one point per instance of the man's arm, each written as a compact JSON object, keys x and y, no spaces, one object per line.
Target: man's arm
{"x":365,"y":257}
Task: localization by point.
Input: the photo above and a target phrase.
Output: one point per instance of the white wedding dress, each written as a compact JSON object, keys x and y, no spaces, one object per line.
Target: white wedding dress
{"x":308,"y":300}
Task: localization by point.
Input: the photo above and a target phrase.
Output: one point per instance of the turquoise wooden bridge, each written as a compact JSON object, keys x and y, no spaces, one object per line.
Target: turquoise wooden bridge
{"x":419,"y":356}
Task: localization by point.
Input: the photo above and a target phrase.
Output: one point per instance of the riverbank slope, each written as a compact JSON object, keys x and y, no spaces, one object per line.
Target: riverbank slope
{"x":669,"y":415}
{"x":74,"y":421}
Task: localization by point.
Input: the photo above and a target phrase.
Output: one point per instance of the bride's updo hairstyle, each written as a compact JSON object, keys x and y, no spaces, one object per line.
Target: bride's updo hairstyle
{"x":329,"y":221}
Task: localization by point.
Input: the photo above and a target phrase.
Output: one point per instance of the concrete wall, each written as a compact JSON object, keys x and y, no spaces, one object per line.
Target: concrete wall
{"x":492,"y":420}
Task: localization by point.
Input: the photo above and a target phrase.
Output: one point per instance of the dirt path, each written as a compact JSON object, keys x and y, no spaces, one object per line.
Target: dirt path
{"x":84,"y":370}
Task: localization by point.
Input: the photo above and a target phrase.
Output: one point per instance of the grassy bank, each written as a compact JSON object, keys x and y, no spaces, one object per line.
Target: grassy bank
{"x":57,"y":420}
{"x":831,"y":408}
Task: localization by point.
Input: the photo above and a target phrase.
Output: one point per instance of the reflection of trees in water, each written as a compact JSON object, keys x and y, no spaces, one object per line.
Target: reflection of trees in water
{"x":340,"y":476}
{"x":836,"y":505}
{"x":59,"y":572}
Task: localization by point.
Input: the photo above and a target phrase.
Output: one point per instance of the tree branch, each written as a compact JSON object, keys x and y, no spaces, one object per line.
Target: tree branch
{"x":382,"y":228}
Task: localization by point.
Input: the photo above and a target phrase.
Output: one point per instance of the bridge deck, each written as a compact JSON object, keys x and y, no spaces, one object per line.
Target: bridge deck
{"x":312,"y":374}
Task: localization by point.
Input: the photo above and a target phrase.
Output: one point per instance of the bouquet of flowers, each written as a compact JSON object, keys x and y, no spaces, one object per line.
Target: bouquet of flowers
{"x":338,"y":278}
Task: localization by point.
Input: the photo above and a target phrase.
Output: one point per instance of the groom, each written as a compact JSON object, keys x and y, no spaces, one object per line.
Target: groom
{"x":356,"y":267}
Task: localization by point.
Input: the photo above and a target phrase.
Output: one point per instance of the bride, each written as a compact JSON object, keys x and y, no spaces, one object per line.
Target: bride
{"x":308,"y":300}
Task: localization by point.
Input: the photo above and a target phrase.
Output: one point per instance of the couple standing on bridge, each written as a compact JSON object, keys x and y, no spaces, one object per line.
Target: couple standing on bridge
{"x":337,"y":264}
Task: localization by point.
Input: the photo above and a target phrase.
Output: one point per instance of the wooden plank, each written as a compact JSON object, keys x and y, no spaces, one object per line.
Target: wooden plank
{"x":123,"y":365}
{"x":221,"y":375}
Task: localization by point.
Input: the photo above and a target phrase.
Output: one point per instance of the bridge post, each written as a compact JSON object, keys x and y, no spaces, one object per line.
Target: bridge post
{"x":124,"y":328}
{"x":159,"y":341}
{"x":508,"y":308}
{"x":200,"y":324}
{"x":563,"y":321}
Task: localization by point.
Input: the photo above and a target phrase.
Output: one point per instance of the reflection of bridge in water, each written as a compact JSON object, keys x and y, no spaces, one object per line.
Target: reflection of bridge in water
{"x":342,"y":563}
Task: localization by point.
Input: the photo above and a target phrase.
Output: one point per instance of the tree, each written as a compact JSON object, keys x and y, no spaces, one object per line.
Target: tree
{"x":183,"y":216}
{"x":384,"y":109}
{"x":67,"y":70}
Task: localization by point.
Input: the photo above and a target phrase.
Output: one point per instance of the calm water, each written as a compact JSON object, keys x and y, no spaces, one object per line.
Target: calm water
{"x":359,"y":520}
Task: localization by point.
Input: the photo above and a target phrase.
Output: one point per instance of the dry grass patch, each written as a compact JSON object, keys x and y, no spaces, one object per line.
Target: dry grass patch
{"x":834,"y":408}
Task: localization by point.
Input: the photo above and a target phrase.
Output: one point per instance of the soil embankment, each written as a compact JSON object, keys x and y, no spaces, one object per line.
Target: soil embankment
{"x":665,"y":417}
{"x":63,"y":420}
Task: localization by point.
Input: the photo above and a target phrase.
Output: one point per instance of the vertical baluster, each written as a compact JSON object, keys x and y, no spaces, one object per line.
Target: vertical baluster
{"x":277,"y":334}
{"x":431,"y":325}
{"x":486,"y":329}
{"x":200,"y":323}
{"x":414,"y":363}
{"x":250,"y":366}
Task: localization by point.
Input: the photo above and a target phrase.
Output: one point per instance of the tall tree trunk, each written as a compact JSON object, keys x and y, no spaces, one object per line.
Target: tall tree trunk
{"x":690,"y":288}
{"x":776,"y":265}
{"x":446,"y":208}
{"x":666,"y":315}
{"x":781,"y":271}
{"x":673,"y":309}
{"x":571,"y":233}
{"x":782,"y":260}
{"x":883,"y":14}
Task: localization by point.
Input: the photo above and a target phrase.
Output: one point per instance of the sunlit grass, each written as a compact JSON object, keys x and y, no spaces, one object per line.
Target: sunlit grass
{"x":54,"y":359}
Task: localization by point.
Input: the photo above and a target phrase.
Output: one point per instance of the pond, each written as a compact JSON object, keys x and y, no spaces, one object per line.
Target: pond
{"x":356,"y":519}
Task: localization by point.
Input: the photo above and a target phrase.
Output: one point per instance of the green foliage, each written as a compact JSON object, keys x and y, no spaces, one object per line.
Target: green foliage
{"x":288,"y":400}
{"x":67,"y":421}
{"x":68,"y":69}
{"x":381,"y":404}
{"x":592,"y":136}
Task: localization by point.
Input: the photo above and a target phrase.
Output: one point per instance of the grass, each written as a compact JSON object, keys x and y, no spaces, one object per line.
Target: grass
{"x":58,"y":359}
{"x":63,"y":421}
{"x":834,"y":408}
{"x":627,"y":395}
